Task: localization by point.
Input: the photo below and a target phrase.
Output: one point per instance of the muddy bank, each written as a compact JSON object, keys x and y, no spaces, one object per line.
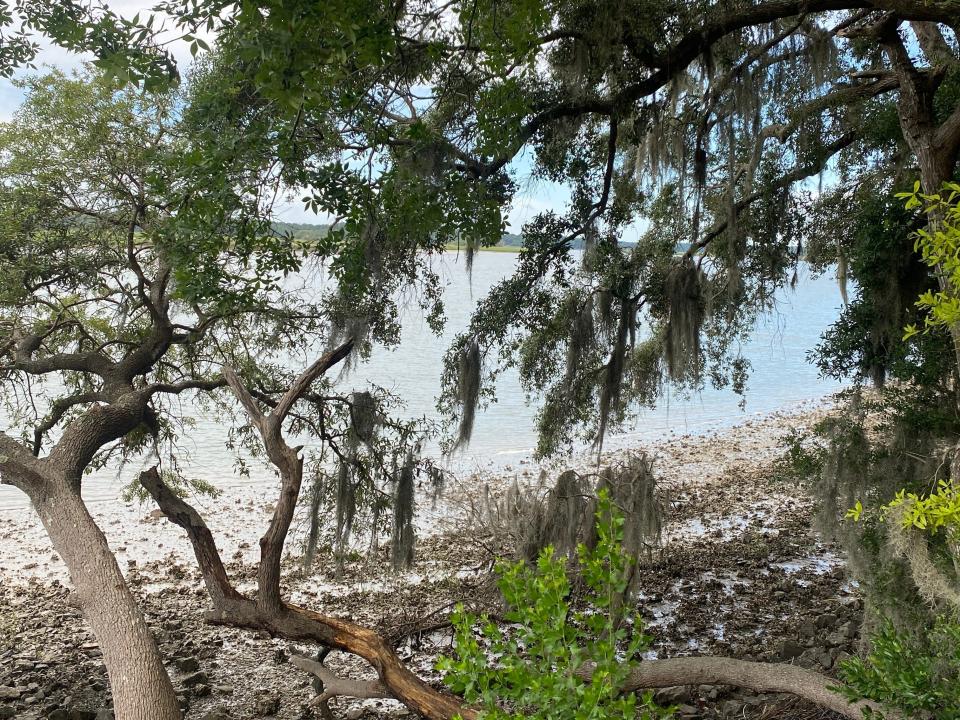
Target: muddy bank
{"x":741,"y":573}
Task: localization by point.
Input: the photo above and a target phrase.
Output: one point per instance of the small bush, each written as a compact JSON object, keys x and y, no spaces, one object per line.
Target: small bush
{"x":919,"y":675}
{"x":533,"y":668}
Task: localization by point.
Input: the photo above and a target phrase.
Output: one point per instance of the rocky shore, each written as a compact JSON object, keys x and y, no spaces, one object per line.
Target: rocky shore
{"x":742,"y":573}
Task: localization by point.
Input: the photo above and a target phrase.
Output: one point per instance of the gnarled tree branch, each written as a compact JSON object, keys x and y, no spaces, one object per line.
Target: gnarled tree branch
{"x":287,"y":461}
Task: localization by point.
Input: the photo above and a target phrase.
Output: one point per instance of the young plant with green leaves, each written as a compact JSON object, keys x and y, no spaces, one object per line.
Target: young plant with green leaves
{"x":559,"y":656}
{"x":939,"y":247}
{"x":917,"y":673}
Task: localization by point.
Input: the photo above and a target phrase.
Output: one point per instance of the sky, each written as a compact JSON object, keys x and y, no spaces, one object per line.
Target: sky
{"x":534,"y":196}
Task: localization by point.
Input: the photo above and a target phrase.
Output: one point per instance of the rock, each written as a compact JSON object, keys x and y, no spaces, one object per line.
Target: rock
{"x":672,"y":695}
{"x":223,"y":689}
{"x":10,"y":693}
{"x":850,"y":629}
{"x":7,"y":712}
{"x":197,"y":678}
{"x":687,"y":711}
{"x":105,"y":714}
{"x":268,"y":705}
{"x":187,"y":664}
{"x":354,"y":713}
{"x":836,"y":639}
{"x":217,"y":715}
{"x":808,"y":658}
{"x":825,"y":660}
{"x":790,"y":650}
{"x":807,"y":629}
{"x":827,"y":620}
{"x":731,"y":708}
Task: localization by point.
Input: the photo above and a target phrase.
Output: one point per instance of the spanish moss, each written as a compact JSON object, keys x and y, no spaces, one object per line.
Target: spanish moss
{"x":363,"y":416}
{"x":581,"y":339}
{"x":685,"y":303}
{"x":401,"y":550}
{"x":316,"y":494}
{"x":613,"y":373}
{"x":468,"y":390}
{"x":346,"y":511}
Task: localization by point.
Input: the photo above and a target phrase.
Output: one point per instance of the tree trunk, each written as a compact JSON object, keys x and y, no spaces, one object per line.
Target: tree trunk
{"x":139,"y":682}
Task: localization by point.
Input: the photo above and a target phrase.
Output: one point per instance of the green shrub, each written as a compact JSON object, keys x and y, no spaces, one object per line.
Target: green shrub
{"x":917,"y":674}
{"x":529,"y":669}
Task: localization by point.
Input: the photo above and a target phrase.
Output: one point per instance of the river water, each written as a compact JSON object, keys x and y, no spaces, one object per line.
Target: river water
{"x":504,"y":433}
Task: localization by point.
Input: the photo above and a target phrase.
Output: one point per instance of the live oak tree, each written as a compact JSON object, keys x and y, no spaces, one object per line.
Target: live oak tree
{"x":678,"y":123}
{"x":107,"y":314}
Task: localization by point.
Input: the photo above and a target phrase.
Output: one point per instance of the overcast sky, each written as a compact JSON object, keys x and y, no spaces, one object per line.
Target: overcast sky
{"x":533,"y":197}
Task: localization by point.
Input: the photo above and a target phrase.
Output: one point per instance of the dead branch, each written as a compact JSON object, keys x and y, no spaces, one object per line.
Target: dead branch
{"x":332,"y":685}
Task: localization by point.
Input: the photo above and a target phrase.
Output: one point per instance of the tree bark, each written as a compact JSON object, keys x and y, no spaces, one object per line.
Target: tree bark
{"x":756,"y":676}
{"x":139,"y":682}
{"x":296,"y":623}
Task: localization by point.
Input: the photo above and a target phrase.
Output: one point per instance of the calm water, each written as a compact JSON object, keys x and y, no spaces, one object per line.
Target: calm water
{"x":504,"y":433}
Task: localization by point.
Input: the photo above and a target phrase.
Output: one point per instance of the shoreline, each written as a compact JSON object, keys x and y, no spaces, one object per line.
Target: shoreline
{"x":136,"y":531}
{"x":12,"y":501}
{"x":741,"y":574}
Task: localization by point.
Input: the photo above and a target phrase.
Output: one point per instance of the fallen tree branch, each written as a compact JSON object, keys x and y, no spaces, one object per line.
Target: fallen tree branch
{"x":297,"y":623}
{"x":332,"y":685}
{"x":294,"y":623}
{"x":757,"y":676}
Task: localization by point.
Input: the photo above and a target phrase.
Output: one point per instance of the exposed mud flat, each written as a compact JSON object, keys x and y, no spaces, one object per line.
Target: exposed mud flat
{"x":741,"y":574}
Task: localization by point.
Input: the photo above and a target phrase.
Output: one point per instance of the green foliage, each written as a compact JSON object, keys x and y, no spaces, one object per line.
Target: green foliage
{"x":121,"y":245}
{"x":530,"y":669}
{"x":939,"y":510}
{"x":871,"y":231}
{"x":180,"y":485}
{"x":939,"y":246}
{"x":878,"y":444}
{"x":915,"y":674}
{"x":125,"y":49}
